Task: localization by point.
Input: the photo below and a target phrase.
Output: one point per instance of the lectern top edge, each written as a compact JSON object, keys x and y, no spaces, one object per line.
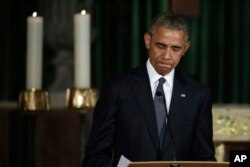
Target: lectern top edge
{"x":179,"y":164}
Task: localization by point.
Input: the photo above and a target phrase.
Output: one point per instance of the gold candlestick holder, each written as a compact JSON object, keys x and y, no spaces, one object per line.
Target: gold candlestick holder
{"x":34,"y":100}
{"x":81,"y":99}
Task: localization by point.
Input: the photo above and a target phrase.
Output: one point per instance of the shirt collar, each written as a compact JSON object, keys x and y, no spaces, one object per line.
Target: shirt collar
{"x":154,"y":76}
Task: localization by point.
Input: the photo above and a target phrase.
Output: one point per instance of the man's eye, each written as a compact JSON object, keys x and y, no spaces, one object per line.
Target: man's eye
{"x":176,"y":49}
{"x":160,"y":46}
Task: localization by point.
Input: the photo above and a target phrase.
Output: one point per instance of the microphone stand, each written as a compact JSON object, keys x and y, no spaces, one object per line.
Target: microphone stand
{"x":172,"y":141}
{"x":171,"y":137}
{"x":169,"y":129}
{"x":168,"y":126}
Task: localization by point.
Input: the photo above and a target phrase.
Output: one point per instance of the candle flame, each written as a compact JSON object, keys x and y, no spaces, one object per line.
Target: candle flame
{"x":34,"y":14}
{"x":83,"y":12}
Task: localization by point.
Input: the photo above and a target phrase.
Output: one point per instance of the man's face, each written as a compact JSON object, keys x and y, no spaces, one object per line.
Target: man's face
{"x":166,"y":47}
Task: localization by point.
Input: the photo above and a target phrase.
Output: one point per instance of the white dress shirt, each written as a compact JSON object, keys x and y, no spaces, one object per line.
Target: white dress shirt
{"x":154,"y":81}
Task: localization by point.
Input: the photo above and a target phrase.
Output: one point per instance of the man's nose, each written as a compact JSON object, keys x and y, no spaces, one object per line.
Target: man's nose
{"x":167,"y":54}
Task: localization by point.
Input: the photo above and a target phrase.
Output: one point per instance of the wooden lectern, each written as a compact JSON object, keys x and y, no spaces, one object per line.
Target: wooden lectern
{"x":179,"y":164}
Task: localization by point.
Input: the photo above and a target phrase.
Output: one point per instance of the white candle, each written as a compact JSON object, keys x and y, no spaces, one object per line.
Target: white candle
{"x":34,"y":52}
{"x":82,"y":50}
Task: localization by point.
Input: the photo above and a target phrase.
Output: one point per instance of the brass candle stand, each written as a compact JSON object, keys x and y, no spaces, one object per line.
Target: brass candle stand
{"x":34,"y":100}
{"x":81,"y":99}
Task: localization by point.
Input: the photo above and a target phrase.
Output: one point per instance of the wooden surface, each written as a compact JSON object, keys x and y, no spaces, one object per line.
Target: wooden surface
{"x":58,"y":139}
{"x":44,"y":139}
{"x":179,"y":164}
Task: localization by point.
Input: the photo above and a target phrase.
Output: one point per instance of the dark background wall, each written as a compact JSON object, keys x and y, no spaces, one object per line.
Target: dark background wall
{"x":219,"y":55}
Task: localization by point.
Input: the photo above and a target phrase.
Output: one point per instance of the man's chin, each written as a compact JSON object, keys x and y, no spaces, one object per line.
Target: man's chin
{"x":164,"y":71}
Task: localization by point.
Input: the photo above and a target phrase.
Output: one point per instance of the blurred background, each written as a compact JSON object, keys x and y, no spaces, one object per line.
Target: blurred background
{"x":219,"y":55}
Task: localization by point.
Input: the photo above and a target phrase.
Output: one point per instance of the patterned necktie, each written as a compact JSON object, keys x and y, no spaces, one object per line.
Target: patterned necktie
{"x":160,"y":110}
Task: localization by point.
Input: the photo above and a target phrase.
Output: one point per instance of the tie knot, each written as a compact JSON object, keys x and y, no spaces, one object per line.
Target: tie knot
{"x":162,"y":80}
{"x":159,"y":89}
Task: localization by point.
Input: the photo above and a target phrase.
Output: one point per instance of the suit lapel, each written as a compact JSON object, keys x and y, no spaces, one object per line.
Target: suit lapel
{"x":144,"y":97}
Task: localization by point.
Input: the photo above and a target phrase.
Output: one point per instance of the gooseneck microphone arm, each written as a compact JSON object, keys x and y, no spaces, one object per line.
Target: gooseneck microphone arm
{"x":171,"y":136}
{"x":168,"y":128}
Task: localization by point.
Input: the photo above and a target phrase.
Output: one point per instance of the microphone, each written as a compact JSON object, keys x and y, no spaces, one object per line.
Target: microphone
{"x":169,"y":129}
{"x":159,"y":93}
{"x":171,"y":137}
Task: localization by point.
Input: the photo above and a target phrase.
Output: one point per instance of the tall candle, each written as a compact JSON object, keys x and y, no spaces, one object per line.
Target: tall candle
{"x":82,"y":50}
{"x":34,"y":52}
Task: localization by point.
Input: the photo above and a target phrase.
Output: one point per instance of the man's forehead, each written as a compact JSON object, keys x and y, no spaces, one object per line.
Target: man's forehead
{"x":160,"y":31}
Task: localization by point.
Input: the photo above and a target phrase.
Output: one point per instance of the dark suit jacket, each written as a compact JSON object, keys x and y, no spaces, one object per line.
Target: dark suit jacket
{"x":124,"y":122}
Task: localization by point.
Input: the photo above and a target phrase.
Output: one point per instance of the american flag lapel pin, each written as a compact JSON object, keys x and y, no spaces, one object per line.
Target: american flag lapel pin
{"x":183,"y":95}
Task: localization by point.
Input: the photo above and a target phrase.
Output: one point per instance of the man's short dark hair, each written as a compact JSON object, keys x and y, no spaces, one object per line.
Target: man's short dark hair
{"x":172,"y":21}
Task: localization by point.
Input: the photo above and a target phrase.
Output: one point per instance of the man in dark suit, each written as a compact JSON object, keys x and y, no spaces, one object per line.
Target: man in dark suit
{"x":154,"y":112}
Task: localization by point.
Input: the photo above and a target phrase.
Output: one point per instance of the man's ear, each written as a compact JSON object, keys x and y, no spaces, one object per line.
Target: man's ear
{"x":147,"y":38}
{"x":187,"y":45}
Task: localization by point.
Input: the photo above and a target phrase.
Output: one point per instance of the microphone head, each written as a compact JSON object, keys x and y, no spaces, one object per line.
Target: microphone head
{"x":159,"y":93}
